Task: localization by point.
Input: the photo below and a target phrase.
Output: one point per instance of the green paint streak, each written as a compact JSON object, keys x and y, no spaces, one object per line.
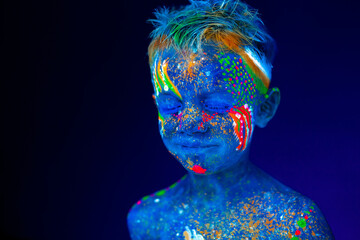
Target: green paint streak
{"x":161,"y":117}
{"x":173,"y":185}
{"x":161,"y":192}
{"x":170,"y":85}
{"x":294,"y":238}
{"x":146,"y":197}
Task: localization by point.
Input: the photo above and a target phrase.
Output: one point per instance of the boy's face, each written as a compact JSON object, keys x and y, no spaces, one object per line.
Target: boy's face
{"x":207,"y":105}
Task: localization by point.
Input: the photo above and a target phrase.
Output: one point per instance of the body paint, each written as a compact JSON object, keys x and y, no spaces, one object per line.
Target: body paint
{"x":161,"y":121}
{"x":242,"y":124}
{"x":161,"y":78}
{"x":198,"y":169}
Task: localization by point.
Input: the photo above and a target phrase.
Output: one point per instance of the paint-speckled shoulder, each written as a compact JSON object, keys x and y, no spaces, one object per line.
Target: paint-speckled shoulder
{"x":145,"y":214}
{"x":298,"y":217}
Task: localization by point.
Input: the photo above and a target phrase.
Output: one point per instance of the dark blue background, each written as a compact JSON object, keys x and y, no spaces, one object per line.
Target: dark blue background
{"x":81,"y":143}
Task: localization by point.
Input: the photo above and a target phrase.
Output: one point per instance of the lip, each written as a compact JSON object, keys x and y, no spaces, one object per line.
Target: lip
{"x":197,"y":147}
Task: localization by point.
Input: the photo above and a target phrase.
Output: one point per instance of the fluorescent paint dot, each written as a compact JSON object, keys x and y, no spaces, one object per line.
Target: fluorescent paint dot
{"x":157,"y":200}
{"x":198,"y":169}
{"x":301,"y":223}
{"x":160,"y":193}
{"x":166,"y":88}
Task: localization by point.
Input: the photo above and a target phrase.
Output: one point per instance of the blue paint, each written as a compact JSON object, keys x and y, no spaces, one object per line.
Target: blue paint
{"x":233,"y":197}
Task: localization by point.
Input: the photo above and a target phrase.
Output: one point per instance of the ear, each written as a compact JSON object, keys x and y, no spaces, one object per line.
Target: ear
{"x":268,"y":108}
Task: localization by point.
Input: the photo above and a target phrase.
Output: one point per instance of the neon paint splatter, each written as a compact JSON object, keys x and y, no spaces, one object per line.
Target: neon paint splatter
{"x":161,"y":78}
{"x":161,"y":120}
{"x":242,"y":125}
{"x":198,"y":169}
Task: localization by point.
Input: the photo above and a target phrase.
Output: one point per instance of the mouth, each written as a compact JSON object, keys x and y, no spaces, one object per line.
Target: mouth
{"x":197,"y":147}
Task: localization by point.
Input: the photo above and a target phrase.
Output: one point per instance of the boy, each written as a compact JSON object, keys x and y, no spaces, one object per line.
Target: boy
{"x":211,"y":70}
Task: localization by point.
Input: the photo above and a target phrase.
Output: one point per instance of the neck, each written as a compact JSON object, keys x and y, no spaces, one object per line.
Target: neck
{"x":221,"y":185}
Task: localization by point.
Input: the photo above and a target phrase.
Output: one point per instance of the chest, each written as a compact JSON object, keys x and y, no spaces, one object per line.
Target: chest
{"x":234,"y":221}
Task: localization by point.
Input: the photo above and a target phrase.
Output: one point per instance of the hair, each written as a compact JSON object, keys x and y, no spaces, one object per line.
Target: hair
{"x":230,"y":24}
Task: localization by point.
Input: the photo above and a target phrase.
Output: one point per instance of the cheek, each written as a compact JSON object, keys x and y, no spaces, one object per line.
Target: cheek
{"x":234,"y":128}
{"x":169,"y":124}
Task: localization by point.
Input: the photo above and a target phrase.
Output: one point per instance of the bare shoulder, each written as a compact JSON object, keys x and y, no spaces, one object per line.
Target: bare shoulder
{"x":298,"y":217}
{"x":147,"y":214}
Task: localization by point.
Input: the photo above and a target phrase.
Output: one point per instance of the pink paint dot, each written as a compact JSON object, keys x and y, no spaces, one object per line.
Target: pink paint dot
{"x":238,"y":93}
{"x":237,"y":68}
{"x":306,"y":217}
{"x":234,"y":85}
{"x":240,"y":60}
{"x":236,"y":78}
{"x":297,"y":232}
{"x":251,"y":97}
{"x":310,"y":210}
{"x":138,"y":202}
{"x":232,"y":92}
{"x":230,"y":79}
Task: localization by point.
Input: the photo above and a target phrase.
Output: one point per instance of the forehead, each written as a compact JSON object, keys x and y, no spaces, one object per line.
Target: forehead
{"x":208,"y":71}
{"x":201,"y":71}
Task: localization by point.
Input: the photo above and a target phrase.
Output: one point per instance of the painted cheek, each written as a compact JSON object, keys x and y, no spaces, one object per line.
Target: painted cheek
{"x":169,"y":124}
{"x":242,"y":123}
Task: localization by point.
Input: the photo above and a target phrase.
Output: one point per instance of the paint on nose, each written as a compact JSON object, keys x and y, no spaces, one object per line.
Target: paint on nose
{"x":198,"y":169}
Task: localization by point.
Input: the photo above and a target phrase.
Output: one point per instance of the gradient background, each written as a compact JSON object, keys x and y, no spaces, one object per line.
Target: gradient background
{"x":80,"y":139}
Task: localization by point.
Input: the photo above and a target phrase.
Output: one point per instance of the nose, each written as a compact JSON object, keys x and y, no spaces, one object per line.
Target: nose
{"x":192,"y":120}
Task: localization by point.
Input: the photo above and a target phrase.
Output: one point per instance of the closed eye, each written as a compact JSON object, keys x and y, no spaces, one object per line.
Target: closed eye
{"x":217,"y":107}
{"x":168,"y":104}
